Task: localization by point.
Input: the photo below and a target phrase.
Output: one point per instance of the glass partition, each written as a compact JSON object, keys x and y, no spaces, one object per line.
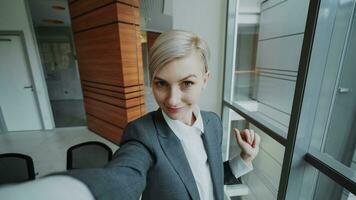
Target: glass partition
{"x":289,"y":70}
{"x":267,"y":47}
{"x":263,"y":181}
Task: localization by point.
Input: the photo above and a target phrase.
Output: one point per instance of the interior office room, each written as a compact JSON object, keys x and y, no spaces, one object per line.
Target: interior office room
{"x":75,"y":72}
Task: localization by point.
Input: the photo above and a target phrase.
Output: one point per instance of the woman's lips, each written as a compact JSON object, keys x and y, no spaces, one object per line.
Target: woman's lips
{"x":173,"y":110}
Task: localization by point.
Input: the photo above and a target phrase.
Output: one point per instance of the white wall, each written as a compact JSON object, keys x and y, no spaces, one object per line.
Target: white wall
{"x":15,"y":16}
{"x":207,"y":19}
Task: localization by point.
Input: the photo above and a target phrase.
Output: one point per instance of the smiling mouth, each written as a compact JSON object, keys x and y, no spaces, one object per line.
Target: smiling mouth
{"x":173,"y":110}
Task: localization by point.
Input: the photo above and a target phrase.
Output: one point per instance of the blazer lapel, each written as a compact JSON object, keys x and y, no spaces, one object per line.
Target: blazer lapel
{"x":214,"y":158}
{"x":175,"y":153}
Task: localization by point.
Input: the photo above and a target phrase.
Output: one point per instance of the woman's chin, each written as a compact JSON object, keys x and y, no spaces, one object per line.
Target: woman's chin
{"x":173,"y":115}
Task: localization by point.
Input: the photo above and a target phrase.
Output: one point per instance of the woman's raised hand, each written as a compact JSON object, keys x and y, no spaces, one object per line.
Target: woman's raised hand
{"x":249,"y":142}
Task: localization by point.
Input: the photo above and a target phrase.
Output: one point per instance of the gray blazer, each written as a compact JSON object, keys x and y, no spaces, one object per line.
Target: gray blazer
{"x":152,"y":162}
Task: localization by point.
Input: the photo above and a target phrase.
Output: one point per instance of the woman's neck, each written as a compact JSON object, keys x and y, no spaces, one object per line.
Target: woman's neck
{"x":190,"y":119}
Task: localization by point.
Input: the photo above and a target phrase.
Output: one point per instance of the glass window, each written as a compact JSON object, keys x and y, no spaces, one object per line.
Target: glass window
{"x":268,"y":42}
{"x":327,"y":120}
{"x":263,"y":181}
{"x":335,"y":119}
{"x":327,"y":189}
{"x":263,"y":58}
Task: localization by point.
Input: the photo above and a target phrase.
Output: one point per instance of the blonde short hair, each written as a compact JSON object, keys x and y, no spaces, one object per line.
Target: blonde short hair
{"x":175,"y":44}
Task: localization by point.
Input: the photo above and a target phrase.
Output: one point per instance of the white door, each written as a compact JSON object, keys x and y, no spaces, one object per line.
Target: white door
{"x":17,"y":98}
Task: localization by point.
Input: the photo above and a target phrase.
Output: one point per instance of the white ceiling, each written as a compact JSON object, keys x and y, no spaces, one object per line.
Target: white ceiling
{"x":250,"y":6}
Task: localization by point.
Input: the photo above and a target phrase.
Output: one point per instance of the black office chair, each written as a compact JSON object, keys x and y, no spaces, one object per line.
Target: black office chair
{"x":15,"y":168}
{"x":88,"y":155}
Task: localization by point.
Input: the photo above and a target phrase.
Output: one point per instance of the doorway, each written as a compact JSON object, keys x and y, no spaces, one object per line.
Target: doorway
{"x":18,"y":104}
{"x":52,"y":26}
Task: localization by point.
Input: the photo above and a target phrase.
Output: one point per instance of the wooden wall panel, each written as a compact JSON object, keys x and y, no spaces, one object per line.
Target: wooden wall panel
{"x":114,"y":88}
{"x":135,"y":3}
{"x":122,"y":103}
{"x":127,"y":14}
{"x":151,"y":38}
{"x":129,"y":53}
{"x":109,"y":113}
{"x":102,"y":16}
{"x":115,"y":12}
{"x":80,"y":7}
{"x":104,"y":129}
{"x":129,"y":95}
{"x":98,"y":55}
{"x":107,"y":40}
{"x":139,"y":55}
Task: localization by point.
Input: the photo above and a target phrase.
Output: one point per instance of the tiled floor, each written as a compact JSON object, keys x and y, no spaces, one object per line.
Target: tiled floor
{"x":48,"y":148}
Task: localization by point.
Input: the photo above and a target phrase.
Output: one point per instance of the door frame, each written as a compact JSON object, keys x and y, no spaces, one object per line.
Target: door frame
{"x":3,"y":128}
{"x":30,"y":74}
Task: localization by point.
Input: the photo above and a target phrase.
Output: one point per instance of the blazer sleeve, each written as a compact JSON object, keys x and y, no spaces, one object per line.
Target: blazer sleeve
{"x":125,"y":176}
{"x":229,"y":177}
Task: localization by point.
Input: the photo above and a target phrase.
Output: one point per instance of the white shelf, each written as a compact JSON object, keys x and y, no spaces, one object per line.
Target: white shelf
{"x":236,"y":190}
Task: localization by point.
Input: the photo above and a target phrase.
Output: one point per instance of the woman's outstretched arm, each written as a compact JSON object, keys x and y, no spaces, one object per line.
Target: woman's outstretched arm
{"x":123,"y":178}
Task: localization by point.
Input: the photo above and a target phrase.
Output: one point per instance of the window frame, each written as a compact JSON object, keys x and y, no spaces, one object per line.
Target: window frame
{"x":291,"y":181}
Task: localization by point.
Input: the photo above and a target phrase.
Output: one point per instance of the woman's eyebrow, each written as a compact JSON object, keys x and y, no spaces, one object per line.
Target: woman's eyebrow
{"x":158,"y":78}
{"x":191,"y":75}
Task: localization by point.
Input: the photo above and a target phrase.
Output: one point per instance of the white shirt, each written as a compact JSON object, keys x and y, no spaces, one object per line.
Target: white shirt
{"x":192,"y":143}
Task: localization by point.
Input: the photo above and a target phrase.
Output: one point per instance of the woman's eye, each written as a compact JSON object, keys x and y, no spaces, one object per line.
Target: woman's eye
{"x":160,"y":83}
{"x":187,"y":84}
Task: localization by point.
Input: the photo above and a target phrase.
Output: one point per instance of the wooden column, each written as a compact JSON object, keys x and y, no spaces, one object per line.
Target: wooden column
{"x":107,"y":41}
{"x":151,"y":38}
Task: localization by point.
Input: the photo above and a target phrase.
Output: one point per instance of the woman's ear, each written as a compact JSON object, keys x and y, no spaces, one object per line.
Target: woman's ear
{"x":206,"y":78}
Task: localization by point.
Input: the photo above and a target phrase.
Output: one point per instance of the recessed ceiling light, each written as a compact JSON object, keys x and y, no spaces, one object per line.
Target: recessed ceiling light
{"x":53,"y":21}
{"x":58,"y":7}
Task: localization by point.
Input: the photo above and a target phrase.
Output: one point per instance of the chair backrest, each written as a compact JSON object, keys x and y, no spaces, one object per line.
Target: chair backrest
{"x":15,"y":167}
{"x":88,"y":155}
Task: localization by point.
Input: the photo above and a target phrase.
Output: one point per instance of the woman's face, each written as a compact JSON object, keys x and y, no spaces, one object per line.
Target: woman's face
{"x":178,"y":86}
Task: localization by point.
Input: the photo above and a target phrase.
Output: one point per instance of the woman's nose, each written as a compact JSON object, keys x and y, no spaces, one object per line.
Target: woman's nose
{"x":174,"y":97}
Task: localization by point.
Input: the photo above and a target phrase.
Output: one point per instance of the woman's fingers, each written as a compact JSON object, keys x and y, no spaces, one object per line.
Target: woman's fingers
{"x":252,"y":133}
{"x":247,"y":135}
{"x":238,"y":136}
{"x":249,"y":142}
{"x":247,"y":138}
{"x":256,"y":142}
{"x":240,"y":140}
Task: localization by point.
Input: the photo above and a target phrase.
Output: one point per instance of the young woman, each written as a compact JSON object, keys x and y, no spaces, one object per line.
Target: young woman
{"x":174,"y":152}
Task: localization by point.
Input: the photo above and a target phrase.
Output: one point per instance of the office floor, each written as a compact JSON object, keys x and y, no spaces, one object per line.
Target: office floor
{"x":48,"y":148}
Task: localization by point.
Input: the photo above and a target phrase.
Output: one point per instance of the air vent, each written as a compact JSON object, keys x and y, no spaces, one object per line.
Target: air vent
{"x":58,"y":7}
{"x":52,"y":21}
